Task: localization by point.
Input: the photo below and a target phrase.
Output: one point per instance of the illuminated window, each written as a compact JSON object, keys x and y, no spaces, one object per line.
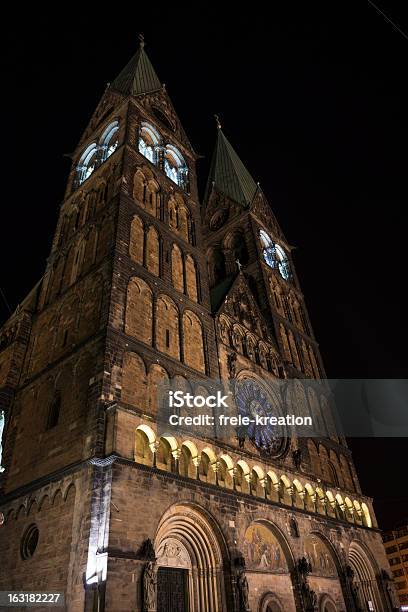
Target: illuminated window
{"x":109,"y":140}
{"x":149,"y":142}
{"x":95,"y":154}
{"x":175,"y":167}
{"x":274,"y":255}
{"x":87,"y":163}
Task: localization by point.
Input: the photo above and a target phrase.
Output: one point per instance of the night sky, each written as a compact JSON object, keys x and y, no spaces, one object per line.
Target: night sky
{"x":315,"y":101}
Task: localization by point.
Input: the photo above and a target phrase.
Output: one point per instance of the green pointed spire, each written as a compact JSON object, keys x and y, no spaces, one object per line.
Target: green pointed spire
{"x":228,"y":174}
{"x":138,"y":76}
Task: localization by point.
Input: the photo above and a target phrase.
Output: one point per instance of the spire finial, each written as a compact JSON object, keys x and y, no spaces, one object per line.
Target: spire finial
{"x":217,"y":121}
{"x":141,"y":40}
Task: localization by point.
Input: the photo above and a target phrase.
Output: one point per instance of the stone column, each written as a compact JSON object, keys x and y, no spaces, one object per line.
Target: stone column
{"x":176,"y":456}
{"x":196,"y":463}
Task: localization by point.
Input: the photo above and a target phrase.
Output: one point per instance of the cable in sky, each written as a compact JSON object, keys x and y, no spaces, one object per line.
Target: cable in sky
{"x":388,"y":19}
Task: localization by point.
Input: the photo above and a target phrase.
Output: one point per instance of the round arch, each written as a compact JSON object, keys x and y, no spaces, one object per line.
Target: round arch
{"x":267,"y":551}
{"x":332,"y":550}
{"x":365,"y":570}
{"x":326,"y":604}
{"x":281,"y":538}
{"x":203,"y":554}
{"x":270,"y":603}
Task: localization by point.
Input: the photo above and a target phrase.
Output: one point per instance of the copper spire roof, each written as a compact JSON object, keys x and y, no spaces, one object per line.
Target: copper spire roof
{"x":138,"y":76}
{"x":228,"y":174}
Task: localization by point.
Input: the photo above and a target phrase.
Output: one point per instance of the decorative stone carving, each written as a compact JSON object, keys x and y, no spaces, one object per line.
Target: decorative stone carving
{"x":242,"y":585}
{"x":297,"y":458}
{"x":172,"y":553}
{"x":309,"y":597}
{"x":231,"y":364}
{"x":149,"y":587}
{"x":147,"y":551}
{"x":293,"y":527}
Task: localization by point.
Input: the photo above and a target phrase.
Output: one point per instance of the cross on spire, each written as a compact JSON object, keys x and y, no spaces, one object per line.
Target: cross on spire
{"x":141,"y":40}
{"x":217,"y":121}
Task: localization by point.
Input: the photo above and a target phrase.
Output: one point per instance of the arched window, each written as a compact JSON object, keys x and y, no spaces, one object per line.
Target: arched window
{"x":177,"y":272}
{"x":175,"y":167}
{"x":148,"y":142}
{"x":167,"y":327}
{"x":216,"y":266}
{"x":237,"y":246}
{"x":139,"y":310}
{"x":133,"y":369}
{"x":274,"y":255}
{"x":193,"y":341}
{"x":87,"y":163}
{"x":54,"y":411}
{"x":109,"y":140}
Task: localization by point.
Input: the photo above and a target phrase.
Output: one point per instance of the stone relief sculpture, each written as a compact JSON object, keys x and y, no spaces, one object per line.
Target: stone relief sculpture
{"x":309,"y":597}
{"x":242,"y":586}
{"x":149,"y":587}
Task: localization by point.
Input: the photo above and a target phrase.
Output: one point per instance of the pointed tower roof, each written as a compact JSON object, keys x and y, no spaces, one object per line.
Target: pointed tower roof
{"x":228,"y":173}
{"x":138,"y":76}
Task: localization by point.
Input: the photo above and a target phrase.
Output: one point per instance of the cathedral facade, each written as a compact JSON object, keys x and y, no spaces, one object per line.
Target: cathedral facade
{"x":144,"y":284}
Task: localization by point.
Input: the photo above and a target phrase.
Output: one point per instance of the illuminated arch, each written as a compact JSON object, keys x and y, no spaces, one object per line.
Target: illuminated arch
{"x":205,"y":553}
{"x":366,"y":515}
{"x":144,"y":446}
{"x":191,"y":447}
{"x":365,"y":571}
{"x":228,"y":461}
{"x":188,"y":459}
{"x":171,"y":441}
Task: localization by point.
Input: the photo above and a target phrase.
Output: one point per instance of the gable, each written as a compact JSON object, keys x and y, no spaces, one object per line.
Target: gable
{"x":240,"y":305}
{"x":160,"y":107}
{"x":262,"y":211}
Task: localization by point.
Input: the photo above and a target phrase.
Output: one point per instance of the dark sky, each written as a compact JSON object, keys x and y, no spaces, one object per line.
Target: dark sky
{"x":314,"y":99}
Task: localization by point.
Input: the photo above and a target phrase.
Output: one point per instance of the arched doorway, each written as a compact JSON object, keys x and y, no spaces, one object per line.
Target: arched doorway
{"x":364,"y":586}
{"x":191,"y":556}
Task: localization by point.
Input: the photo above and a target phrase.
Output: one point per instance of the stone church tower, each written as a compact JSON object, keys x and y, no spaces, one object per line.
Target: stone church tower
{"x":144,"y":285}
